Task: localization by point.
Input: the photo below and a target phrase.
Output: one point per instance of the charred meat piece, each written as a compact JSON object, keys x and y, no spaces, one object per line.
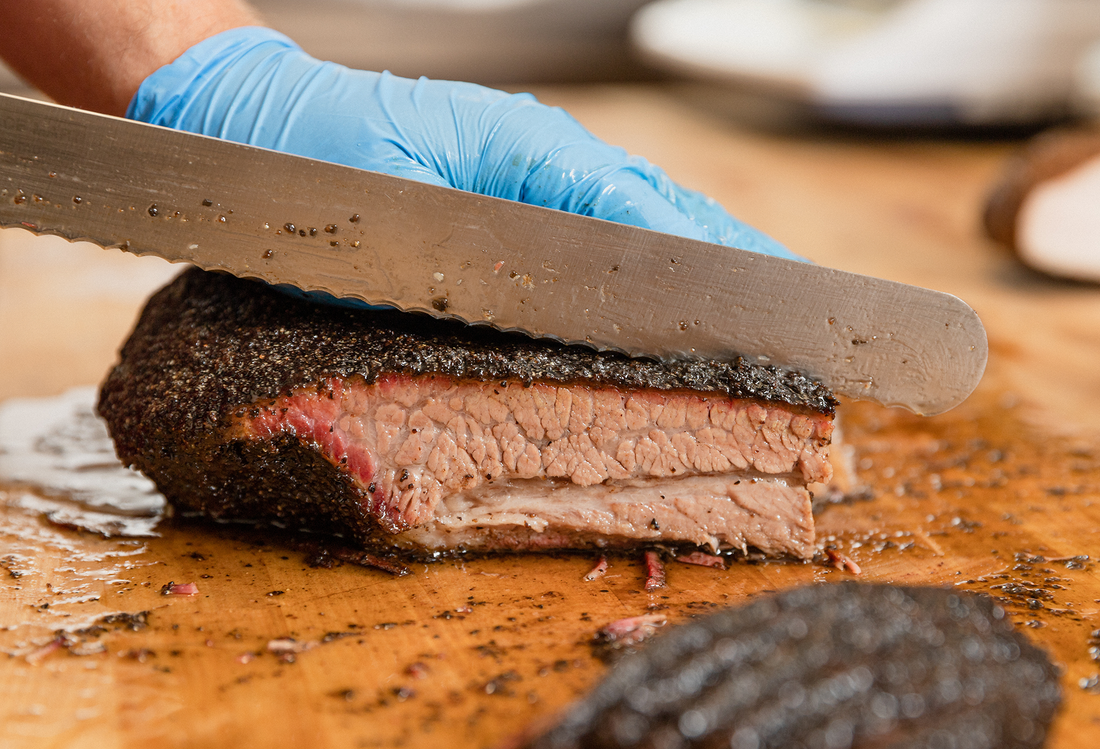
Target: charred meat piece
{"x":403,"y":430}
{"x":848,"y":665}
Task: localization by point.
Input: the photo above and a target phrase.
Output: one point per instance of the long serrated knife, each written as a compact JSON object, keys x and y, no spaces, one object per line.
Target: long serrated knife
{"x":391,"y":241}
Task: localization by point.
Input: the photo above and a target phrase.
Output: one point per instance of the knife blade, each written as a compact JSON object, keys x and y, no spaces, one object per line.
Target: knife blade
{"x":384,"y":240}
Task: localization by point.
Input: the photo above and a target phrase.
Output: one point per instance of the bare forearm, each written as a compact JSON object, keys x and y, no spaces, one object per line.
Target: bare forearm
{"x":95,"y":53}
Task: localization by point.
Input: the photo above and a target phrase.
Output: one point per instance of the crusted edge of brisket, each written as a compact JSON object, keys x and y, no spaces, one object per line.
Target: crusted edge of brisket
{"x":266,"y":343}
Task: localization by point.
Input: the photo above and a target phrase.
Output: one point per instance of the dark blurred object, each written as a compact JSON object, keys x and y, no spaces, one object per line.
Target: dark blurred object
{"x":493,"y":42}
{"x":1045,"y":206}
{"x":837,"y":666}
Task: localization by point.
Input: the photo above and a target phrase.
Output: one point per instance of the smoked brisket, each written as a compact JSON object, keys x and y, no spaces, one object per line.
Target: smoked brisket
{"x":242,"y":402}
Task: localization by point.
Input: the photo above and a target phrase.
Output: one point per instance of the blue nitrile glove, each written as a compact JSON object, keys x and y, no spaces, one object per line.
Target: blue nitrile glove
{"x":254,"y":85}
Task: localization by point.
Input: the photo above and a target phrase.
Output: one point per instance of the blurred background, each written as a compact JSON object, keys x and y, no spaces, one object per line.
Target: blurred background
{"x":975,"y":61}
{"x":893,"y":62}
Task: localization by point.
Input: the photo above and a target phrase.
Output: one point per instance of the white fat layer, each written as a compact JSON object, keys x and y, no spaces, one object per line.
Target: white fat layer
{"x":769,"y":513}
{"x":1058,"y":228}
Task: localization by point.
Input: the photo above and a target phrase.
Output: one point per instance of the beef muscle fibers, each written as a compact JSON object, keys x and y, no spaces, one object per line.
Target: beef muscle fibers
{"x":399,"y":429}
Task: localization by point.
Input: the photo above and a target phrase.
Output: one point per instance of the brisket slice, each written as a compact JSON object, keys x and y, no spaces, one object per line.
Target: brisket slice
{"x":402,"y":430}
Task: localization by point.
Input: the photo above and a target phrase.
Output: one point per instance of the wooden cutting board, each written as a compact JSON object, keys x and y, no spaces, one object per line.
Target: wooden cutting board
{"x":1001,"y":495}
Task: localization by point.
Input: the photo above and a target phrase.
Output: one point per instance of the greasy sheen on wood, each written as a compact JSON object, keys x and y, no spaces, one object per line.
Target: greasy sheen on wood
{"x":846,"y":665}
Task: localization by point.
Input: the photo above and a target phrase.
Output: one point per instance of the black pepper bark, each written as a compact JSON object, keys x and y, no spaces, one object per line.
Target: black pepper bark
{"x":260,"y":343}
{"x":209,"y":343}
{"x":848,"y":665}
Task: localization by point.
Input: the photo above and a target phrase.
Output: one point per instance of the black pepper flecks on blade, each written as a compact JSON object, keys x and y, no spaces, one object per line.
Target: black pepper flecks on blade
{"x":829,"y":667}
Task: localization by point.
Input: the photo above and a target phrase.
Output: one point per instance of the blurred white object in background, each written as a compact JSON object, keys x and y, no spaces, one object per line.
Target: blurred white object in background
{"x":1045,"y":205}
{"x":1058,"y":230}
{"x":772,"y":42}
{"x":969,"y":62}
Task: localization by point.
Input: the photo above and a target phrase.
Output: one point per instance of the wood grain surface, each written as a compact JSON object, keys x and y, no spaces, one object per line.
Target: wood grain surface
{"x":999,"y":495}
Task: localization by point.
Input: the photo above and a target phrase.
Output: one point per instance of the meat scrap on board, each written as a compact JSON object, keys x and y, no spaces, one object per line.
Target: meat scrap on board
{"x":404,"y":431}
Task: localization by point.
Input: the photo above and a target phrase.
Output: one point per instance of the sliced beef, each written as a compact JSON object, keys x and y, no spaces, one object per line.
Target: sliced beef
{"x":241,"y":402}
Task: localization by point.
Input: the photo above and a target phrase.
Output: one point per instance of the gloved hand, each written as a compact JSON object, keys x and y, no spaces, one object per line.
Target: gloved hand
{"x":253,"y":85}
